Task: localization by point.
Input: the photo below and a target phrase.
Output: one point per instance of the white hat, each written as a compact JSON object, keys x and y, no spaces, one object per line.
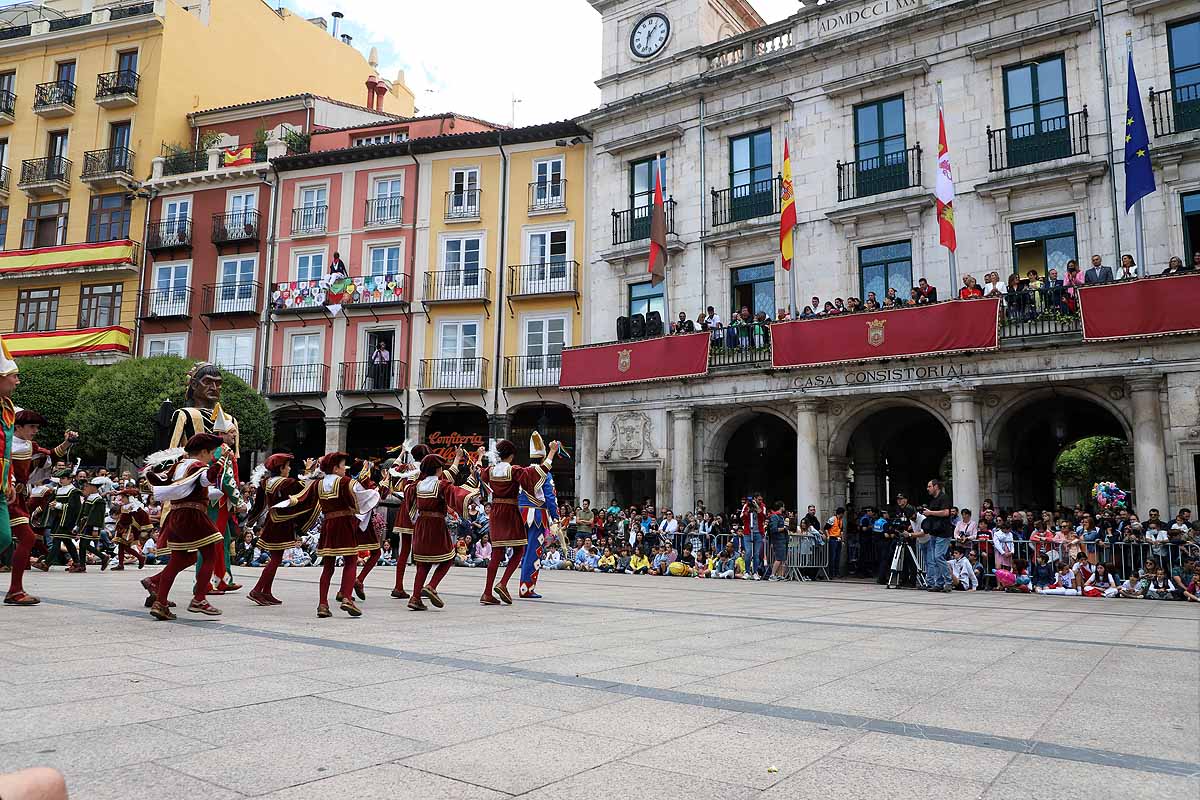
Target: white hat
{"x":537,"y":448}
{"x":98,"y":481}
{"x":7,"y":365}
{"x":221,"y":423}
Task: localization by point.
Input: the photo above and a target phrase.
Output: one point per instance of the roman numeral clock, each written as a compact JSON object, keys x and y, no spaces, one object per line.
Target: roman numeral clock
{"x":650,"y":35}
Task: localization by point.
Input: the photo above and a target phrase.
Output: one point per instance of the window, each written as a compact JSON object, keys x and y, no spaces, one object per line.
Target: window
{"x":305,"y":373}
{"x":3,"y":225}
{"x":100,"y":305}
{"x":57,"y":147}
{"x":175,"y":345}
{"x":547,"y":268}
{"x":37,"y":309}
{"x":1184,"y":47}
{"x":8,"y":82}
{"x":644,"y":298}
{"x":388,"y":202}
{"x":385,"y":260}
{"x":169,"y":297}
{"x":109,"y":217}
{"x":4,"y":152}
{"x":880,"y":154}
{"x":313,"y":211}
{"x":64,"y":72}
{"x":548,"y":184}
{"x":127,"y":61}
{"x":234,"y":352}
{"x":464,"y":193}
{"x":240,"y":203}
{"x":1044,"y":244}
{"x":544,"y":341}
{"x":886,"y":266}
{"x":461,"y":264}
{"x":458,"y":347}
{"x":381,"y":138}
{"x":754,"y":288}
{"x":118,"y":141}
{"x":641,"y":194}
{"x":1191,"y":226}
{"x":310,"y":266}
{"x":235,"y":284}
{"x":45,"y":225}
{"x":750,"y":176}
{"x":1035,"y":109}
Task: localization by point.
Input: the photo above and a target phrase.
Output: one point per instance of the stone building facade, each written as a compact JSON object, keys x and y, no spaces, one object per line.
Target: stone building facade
{"x":710,"y":96}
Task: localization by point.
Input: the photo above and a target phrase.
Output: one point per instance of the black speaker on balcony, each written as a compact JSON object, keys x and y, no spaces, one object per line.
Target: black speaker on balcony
{"x":637,"y":327}
{"x":654,"y":325}
{"x":622,"y":329}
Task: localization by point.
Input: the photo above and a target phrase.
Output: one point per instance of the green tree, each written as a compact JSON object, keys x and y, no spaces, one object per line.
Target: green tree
{"x":49,"y":386}
{"x":118,"y":405}
{"x":1091,"y":460}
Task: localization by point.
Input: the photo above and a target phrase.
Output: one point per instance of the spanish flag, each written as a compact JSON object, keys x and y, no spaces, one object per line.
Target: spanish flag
{"x":238,"y":156}
{"x":787,"y":214}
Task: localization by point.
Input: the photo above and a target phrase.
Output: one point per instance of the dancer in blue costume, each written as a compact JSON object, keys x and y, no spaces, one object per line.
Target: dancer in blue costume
{"x":538,"y":511}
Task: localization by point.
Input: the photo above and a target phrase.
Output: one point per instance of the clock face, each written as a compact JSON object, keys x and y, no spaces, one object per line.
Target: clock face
{"x":649,"y":35}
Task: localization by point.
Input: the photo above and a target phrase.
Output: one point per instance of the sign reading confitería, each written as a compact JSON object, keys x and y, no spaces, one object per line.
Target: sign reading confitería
{"x":855,"y":14}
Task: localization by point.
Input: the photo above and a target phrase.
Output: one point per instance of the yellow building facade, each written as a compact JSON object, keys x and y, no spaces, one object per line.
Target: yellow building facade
{"x":90,"y":95}
{"x":504,"y":247}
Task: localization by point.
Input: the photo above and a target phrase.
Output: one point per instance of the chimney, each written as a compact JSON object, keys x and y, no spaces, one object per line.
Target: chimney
{"x":346,"y":38}
{"x":371,"y":82}
{"x":381,"y":89}
{"x":337,"y":22}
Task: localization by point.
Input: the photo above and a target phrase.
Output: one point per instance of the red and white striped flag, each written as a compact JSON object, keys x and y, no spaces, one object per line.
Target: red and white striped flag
{"x":945,"y":190}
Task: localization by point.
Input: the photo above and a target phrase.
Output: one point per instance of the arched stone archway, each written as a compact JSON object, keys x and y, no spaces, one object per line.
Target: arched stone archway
{"x":299,"y":430}
{"x":760,"y":456}
{"x":892,"y":448}
{"x":373,"y":429}
{"x":552,"y":421}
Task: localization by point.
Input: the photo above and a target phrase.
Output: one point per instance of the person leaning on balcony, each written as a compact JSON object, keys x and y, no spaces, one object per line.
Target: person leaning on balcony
{"x":928,"y":291}
{"x":1128,"y":269}
{"x":336,"y":265}
{"x":970,"y":289}
{"x":1175,"y":266}
{"x":1098,"y":273}
{"x":992,"y":287}
{"x":1073,"y":280}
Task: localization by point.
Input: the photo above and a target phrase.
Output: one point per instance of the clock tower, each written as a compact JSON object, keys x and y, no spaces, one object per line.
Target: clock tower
{"x":652,"y":42}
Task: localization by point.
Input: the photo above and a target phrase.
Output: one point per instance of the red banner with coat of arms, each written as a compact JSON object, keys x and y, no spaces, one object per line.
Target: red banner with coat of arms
{"x":949,"y":327}
{"x":662,"y":359}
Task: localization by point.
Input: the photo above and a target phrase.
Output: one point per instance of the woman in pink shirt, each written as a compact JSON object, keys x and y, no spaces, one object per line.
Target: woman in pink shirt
{"x":1072,"y":281}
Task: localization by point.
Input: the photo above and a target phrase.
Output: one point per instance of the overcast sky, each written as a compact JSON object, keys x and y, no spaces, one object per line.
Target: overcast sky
{"x":546,"y":53}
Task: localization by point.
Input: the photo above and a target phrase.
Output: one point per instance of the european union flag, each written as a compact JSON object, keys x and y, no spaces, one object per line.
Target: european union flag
{"x":1139,"y":174}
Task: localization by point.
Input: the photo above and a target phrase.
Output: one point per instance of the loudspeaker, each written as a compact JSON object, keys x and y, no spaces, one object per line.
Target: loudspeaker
{"x":654,"y":324}
{"x":637,"y":327}
{"x":622,"y":329}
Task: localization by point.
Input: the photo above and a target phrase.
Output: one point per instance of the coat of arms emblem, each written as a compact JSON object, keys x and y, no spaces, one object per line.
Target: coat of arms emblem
{"x":623,"y":360}
{"x":875,"y":332}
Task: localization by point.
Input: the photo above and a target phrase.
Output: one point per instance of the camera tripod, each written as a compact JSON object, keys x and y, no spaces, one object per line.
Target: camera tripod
{"x":896,"y":577}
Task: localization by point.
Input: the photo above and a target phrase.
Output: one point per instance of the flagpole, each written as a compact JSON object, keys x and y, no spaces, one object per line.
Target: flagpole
{"x":1139,"y":241}
{"x":793,"y":308}
{"x":953,"y":261}
{"x":667,"y":321}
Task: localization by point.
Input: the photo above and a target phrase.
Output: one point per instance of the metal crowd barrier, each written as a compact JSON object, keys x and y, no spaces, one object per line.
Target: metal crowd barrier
{"x":807,"y":552}
{"x":1121,"y":557}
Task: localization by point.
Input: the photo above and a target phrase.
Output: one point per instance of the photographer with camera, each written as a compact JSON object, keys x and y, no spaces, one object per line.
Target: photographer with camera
{"x":938,"y":525}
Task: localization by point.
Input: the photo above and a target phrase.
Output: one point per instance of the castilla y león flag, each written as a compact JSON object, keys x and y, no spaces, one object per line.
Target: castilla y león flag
{"x":945,"y":191}
{"x":658,"y":232}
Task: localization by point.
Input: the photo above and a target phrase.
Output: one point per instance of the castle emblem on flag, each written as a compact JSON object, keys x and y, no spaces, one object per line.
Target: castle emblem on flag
{"x":875,"y":332}
{"x":623,"y":360}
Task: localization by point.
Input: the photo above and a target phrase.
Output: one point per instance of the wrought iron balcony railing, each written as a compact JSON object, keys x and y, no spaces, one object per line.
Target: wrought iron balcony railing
{"x":238,"y":297}
{"x":387,"y":210}
{"x":747,"y":201}
{"x":54,"y":93}
{"x":169,"y":233}
{"x":454,"y":373}
{"x":310,"y":220}
{"x":121,"y":82}
{"x":887,"y":173}
{"x":182,"y":162}
{"x":116,"y":160}
{"x":366,"y":377}
{"x":1175,"y":110}
{"x":554,"y":277}
{"x":166,"y":303}
{"x":463,"y":204}
{"x":297,"y":379}
{"x":532,"y":372}
{"x":547,"y":195}
{"x":235,"y":226}
{"x":45,"y":170}
{"x":457,"y":285}
{"x":633,"y":224}
{"x":8,"y":102}
{"x":1035,"y":142}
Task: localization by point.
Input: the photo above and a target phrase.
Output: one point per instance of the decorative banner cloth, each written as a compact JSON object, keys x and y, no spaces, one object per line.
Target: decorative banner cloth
{"x":639,"y":361}
{"x":335,"y":289}
{"x":19,"y":262}
{"x":1140,"y":309}
{"x":58,"y":343}
{"x":947,"y":327}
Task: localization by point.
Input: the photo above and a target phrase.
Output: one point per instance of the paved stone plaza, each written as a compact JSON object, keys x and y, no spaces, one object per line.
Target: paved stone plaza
{"x":612,"y":687}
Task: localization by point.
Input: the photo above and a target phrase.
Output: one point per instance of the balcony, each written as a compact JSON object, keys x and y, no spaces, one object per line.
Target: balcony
{"x":182,"y":162}
{"x":457,"y":286}
{"x":5,"y":177}
{"x":243,"y":371}
{"x":46,"y":176}
{"x":364,"y":377}
{"x":739,"y":346}
{"x":8,"y":108}
{"x":310,"y":221}
{"x":166,"y":304}
{"x":462,"y":206}
{"x":369,"y":291}
{"x":633,"y":225}
{"x":229,"y":299}
{"x":871,"y":176}
{"x":1175,"y":110}
{"x":108,"y":168}
{"x":297,"y":380}
{"x":117,"y":89}
{"x":131,"y":10}
{"x":532,"y":372}
{"x":451,"y":374}
{"x":547,"y":197}
{"x":382,"y":212}
{"x":749,"y":201}
{"x":170,"y":234}
{"x":236,"y":227}
{"x":556,"y":278}
{"x":66,"y":23}
{"x":1034,"y":143}
{"x":54,"y":99}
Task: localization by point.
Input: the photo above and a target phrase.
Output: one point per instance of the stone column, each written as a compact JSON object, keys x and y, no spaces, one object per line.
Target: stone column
{"x":964,"y":449}
{"x":336,"y":429}
{"x":1149,"y":451}
{"x":681,"y":461}
{"x":587,"y":452}
{"x":808,"y":459}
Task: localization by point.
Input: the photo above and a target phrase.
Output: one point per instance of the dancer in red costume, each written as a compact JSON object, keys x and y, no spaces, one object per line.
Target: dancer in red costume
{"x":273,"y":484}
{"x":408,"y":475}
{"x":504,"y":483}
{"x":132,"y":519}
{"x":30,"y":465}
{"x":427,"y":501}
{"x":187,"y":530}
{"x":369,"y":542}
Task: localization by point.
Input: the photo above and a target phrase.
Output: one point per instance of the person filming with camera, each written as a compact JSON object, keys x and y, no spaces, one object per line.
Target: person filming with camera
{"x":938,"y":525}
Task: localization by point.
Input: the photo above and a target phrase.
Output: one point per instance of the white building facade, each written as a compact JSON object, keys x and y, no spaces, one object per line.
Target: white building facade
{"x":709,"y":93}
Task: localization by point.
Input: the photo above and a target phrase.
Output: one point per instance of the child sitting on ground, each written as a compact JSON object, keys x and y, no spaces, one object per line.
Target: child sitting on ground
{"x":1133,"y":587}
{"x":685,"y":567}
{"x":1014,"y":580}
{"x":623,"y":561}
{"x":1043,"y":573}
{"x":608,"y":562}
{"x":1160,"y":587}
{"x":724,"y":566}
{"x":962,"y":573}
{"x":1064,"y":584}
{"x":1100,"y":583}
{"x":639,"y":564}
{"x":661,"y":563}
